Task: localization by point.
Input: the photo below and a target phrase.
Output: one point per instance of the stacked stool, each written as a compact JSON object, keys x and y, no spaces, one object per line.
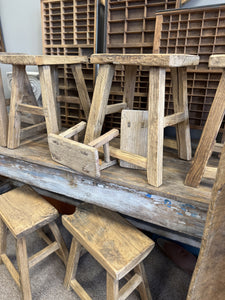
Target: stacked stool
{"x":23,"y":211}
{"x":117,"y":245}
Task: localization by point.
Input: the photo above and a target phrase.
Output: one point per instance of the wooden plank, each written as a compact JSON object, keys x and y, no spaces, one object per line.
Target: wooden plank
{"x":3,"y":237}
{"x":41,"y":60}
{"x":77,"y":156}
{"x":129,"y":287}
{"x":208,"y":280}
{"x":180,"y":207}
{"x":20,"y":216}
{"x":112,"y":286}
{"x":133,"y":134}
{"x":12,"y":270}
{"x":113,"y":108}
{"x":144,"y":287}
{"x":174,"y":119}
{"x":32,"y":130}
{"x":18,"y":79}
{"x":157,"y":34}
{"x":129,"y":87}
{"x":55,"y":80}
{"x":125,"y":254}
{"x":22,"y":261}
{"x":48,"y":99}
{"x":99,"y":103}
{"x":68,"y":99}
{"x":72,"y":264}
{"x":3,"y":116}
{"x":153,"y":60}
{"x":217,"y":61}
{"x":105,"y":138}
{"x":79,"y":290}
{"x":42,"y":254}
{"x":180,"y":100}
{"x":73,"y":130}
{"x":81,"y":88}
{"x":156,"y":102}
{"x":31,"y":109}
{"x":208,"y":137}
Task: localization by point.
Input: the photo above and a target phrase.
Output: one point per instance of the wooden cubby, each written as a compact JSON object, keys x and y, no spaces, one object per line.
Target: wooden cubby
{"x":69,"y":27}
{"x":197,"y":31}
{"x":130,"y":30}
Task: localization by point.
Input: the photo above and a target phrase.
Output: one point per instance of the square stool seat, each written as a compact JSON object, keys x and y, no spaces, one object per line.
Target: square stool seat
{"x":24,"y":211}
{"x":117,"y":245}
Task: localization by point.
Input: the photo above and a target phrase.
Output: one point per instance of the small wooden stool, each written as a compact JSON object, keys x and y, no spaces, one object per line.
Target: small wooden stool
{"x":117,"y":245}
{"x":23,"y":211}
{"x":157,"y":65}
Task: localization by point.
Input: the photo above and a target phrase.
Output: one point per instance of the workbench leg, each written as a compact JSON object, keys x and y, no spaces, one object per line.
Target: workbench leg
{"x":156,"y":103}
{"x":3,"y":236}
{"x":129,"y":88}
{"x":208,"y":137}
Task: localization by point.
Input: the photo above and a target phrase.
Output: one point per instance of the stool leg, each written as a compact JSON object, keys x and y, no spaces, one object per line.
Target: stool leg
{"x":143,"y":288}
{"x":112,"y":288}
{"x":156,"y":103}
{"x":3,"y":116}
{"x":72,"y":263}
{"x":3,"y":234}
{"x":23,"y":267}
{"x":59,"y":239}
{"x":180,"y":100}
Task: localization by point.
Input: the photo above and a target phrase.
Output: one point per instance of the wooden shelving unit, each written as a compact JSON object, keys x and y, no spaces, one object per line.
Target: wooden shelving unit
{"x":198,"y":31}
{"x":130,"y":30}
{"x":69,"y":28}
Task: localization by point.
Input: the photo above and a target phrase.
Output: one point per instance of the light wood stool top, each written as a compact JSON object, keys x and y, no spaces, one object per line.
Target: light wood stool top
{"x":118,"y":246}
{"x":24,"y":211}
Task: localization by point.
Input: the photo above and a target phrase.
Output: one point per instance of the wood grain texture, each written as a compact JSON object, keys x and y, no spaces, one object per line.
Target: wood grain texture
{"x":217,"y":61}
{"x":99,"y":103}
{"x":156,"y":102}
{"x":81,"y":88}
{"x":208,"y":137}
{"x":153,"y":60}
{"x":129,"y":87}
{"x":208,"y":280}
{"x":110,"y":239}
{"x":49,"y":99}
{"x":180,"y":100}
{"x":3,"y":116}
{"x":20,"y":216}
{"x":40,"y":60}
{"x":18,"y":80}
{"x":133,"y":134}
{"x":80,"y":157}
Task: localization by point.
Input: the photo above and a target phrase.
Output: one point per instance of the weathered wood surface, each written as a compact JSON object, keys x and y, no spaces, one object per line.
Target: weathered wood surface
{"x":217,"y":61}
{"x":172,"y":205}
{"x":3,"y":115}
{"x":208,"y":137}
{"x":130,"y":246}
{"x":208,"y":280}
{"x":40,"y":60}
{"x":21,"y":217}
{"x":157,"y":60}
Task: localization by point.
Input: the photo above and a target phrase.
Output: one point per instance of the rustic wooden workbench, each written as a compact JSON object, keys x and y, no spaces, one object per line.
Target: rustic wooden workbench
{"x":174,"y":206}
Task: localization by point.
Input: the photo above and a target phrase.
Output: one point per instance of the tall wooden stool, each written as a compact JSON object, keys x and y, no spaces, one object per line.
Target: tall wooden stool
{"x":23,"y":211}
{"x":157,"y":64}
{"x":212,"y":126}
{"x":23,"y":100}
{"x":118,"y":246}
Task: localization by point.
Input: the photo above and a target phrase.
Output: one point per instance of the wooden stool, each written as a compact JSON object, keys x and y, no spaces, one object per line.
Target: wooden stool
{"x":23,"y":211}
{"x":23,"y":100}
{"x":211,"y":129}
{"x":157,"y":64}
{"x":118,"y":246}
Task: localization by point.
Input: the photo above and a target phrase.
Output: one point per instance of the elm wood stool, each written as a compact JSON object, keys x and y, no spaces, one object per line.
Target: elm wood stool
{"x":23,"y":211}
{"x":23,"y":100}
{"x":117,"y":245}
{"x":157,"y":65}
